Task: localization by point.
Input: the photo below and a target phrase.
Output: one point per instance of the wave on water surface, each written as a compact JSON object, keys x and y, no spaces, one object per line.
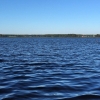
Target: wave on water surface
{"x":49,"y":69}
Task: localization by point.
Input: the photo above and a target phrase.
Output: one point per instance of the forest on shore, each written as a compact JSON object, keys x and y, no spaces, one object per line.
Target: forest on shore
{"x":49,"y":35}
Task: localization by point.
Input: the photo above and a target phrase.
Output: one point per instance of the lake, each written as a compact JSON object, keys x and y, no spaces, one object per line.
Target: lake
{"x":49,"y":68}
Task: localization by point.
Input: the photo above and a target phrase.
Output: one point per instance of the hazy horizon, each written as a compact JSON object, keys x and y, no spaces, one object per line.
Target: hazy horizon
{"x":49,"y":17}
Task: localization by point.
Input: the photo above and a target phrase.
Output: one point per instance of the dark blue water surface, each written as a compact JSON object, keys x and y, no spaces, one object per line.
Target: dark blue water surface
{"x":49,"y":68}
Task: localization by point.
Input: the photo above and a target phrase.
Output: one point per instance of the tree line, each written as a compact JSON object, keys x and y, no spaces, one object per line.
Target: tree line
{"x":49,"y":35}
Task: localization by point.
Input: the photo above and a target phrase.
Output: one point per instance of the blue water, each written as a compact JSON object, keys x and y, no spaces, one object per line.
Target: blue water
{"x":49,"y":68}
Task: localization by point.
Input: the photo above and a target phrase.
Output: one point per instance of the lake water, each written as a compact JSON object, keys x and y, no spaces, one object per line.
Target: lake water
{"x":49,"y":68}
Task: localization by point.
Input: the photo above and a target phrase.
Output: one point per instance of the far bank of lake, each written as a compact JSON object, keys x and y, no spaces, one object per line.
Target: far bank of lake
{"x":50,"y":35}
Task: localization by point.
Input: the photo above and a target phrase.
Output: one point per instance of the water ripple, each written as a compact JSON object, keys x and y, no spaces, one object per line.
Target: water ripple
{"x":49,"y":69}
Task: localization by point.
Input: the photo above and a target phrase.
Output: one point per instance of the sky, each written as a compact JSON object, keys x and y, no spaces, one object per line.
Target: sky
{"x":49,"y":16}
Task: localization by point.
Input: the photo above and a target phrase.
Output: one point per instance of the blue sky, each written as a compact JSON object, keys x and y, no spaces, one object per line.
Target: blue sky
{"x":49,"y":16}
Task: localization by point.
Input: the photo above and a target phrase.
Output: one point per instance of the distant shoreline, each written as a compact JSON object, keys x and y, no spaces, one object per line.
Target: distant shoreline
{"x":50,"y":35}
